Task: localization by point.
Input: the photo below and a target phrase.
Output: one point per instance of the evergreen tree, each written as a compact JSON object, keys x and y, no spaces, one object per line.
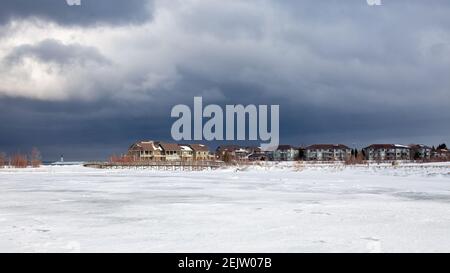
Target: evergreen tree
{"x":417,"y":155}
{"x":301,"y":154}
{"x":443,"y":146}
{"x":227,"y":157}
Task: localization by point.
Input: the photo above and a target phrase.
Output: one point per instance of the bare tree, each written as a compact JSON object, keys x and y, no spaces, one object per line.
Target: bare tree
{"x":2,"y":160}
{"x":123,"y":159}
{"x":19,"y":161}
{"x":36,"y":159}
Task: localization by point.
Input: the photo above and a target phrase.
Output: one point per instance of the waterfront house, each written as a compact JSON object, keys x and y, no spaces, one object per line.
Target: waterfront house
{"x":387,"y":152}
{"x":145,"y":151}
{"x":187,"y":154}
{"x":440,"y":154}
{"x":284,"y":153}
{"x":420,"y":152}
{"x":171,"y":151}
{"x":327,"y":152}
{"x":200,"y":152}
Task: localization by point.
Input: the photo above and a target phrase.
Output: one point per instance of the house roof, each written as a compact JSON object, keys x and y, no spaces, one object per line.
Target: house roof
{"x":199,"y":147}
{"x":169,"y":146}
{"x":285,"y":147}
{"x":185,"y":148}
{"x":387,"y":146}
{"x":254,"y":149}
{"x":381,"y":146}
{"x":257,"y":155}
{"x":228,"y":148}
{"x":419,"y":146}
{"x":326,"y":146}
{"x":145,"y":146}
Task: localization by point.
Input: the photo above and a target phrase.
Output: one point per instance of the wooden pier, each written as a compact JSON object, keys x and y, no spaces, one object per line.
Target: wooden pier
{"x":160,"y":165}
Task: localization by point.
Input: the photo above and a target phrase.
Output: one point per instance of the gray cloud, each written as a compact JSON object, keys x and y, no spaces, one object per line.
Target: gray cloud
{"x":54,"y":51}
{"x":341,"y":71}
{"x":90,"y":12}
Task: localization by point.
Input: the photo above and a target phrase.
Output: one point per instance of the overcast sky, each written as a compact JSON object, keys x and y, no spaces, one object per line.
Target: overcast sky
{"x":86,"y":81}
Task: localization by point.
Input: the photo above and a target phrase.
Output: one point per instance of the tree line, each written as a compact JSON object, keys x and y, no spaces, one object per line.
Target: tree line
{"x":19,"y":160}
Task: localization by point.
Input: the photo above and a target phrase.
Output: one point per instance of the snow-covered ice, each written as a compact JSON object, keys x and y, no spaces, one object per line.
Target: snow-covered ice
{"x":257,"y":209}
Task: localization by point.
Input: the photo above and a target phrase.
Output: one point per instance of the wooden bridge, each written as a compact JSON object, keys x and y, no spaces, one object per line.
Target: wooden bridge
{"x":160,"y":165}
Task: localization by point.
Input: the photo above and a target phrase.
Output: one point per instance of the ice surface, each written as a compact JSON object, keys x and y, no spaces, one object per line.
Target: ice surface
{"x":284,"y":208}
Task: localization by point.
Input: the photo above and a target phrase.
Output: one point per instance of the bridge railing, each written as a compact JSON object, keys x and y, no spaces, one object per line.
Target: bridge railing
{"x":157,"y":164}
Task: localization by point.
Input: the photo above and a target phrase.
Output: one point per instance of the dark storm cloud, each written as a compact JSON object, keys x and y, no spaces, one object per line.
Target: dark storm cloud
{"x":341,"y":71}
{"x":54,"y":51}
{"x":78,"y":129}
{"x":90,"y":12}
